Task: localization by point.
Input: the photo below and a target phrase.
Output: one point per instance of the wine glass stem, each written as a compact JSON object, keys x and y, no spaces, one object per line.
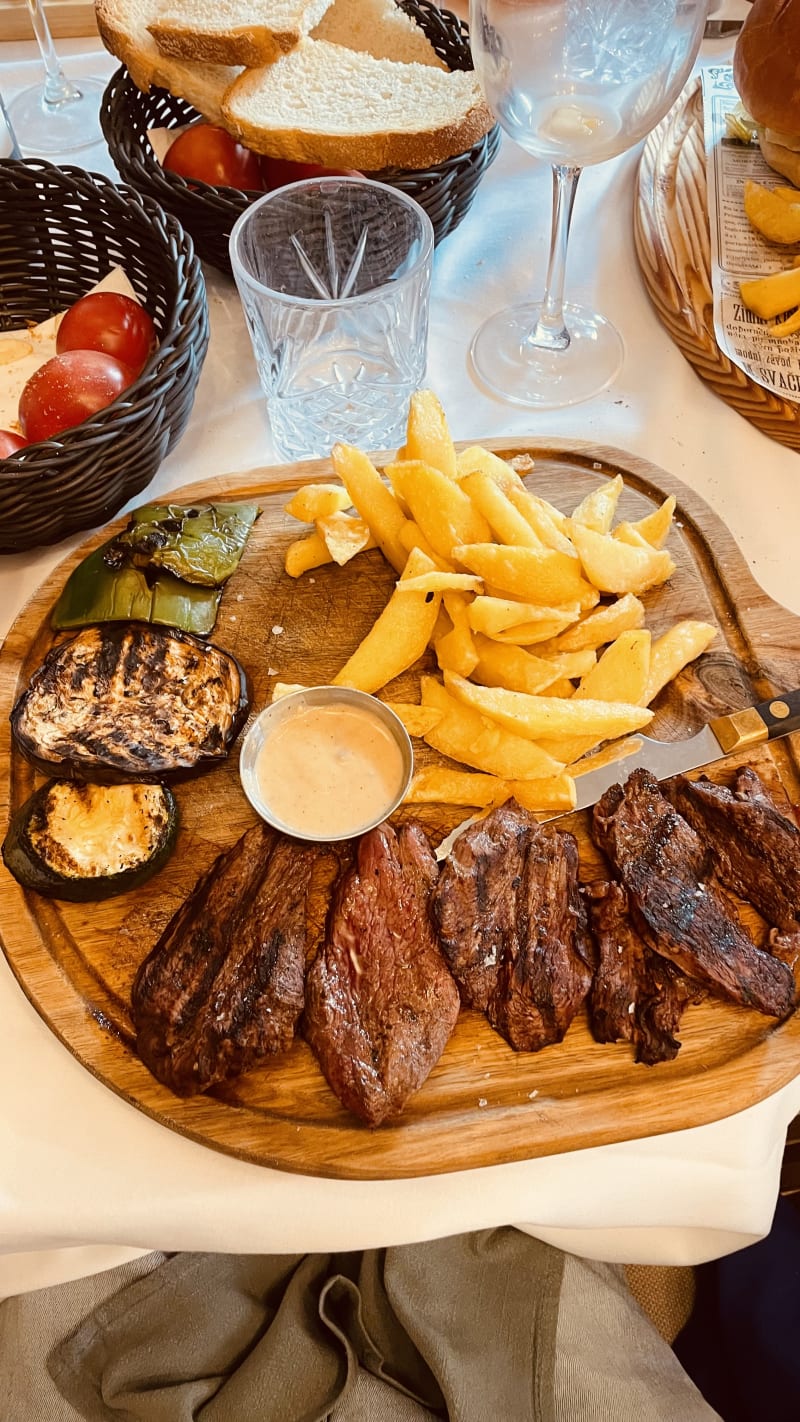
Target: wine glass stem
{"x":57,"y":87}
{"x":550,"y":332}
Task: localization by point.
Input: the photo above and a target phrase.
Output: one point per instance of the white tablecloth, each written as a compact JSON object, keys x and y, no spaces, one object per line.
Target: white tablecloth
{"x":86,"y":1180}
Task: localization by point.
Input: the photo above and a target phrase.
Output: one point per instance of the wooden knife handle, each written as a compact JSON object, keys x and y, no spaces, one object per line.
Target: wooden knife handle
{"x":765,"y":722}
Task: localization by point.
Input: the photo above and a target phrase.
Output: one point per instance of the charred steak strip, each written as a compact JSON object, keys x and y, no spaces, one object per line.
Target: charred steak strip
{"x":380,"y":1003}
{"x":755,"y":849}
{"x":223,"y":987}
{"x":675,"y":903}
{"x":636,"y":996}
{"x":512,"y":925}
{"x":130,"y":701}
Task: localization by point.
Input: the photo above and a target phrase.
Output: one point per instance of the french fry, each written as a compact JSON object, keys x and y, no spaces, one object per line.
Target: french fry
{"x":455,"y":649}
{"x":418,"y":720}
{"x":547,"y":522}
{"x":770,"y":296}
{"x":411,"y":536}
{"x":599,"y":626}
{"x":285,"y":688}
{"x":438,"y":506}
{"x":512,"y":667}
{"x":315,"y":501}
{"x":557,"y":795}
{"x":395,"y":641}
{"x":530,"y":634}
{"x":539,"y":717}
{"x":427,"y":434}
{"x":440,"y":785}
{"x":344,"y":535}
{"x":439,"y":581}
{"x":306,"y":553}
{"x":672,"y":652}
{"x":654,"y":527}
{"x":537,"y":575}
{"x":465,"y":735}
{"x":506,"y":522}
{"x":622,"y":672}
{"x":477,"y":460}
{"x":617,"y":567}
{"x":493,"y":615}
{"x":561,"y":687}
{"x":597,"y":509}
{"x":615,"y":751}
{"x":375,"y":503}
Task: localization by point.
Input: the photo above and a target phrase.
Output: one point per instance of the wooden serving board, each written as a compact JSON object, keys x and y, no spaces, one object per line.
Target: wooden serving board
{"x":483,"y":1104}
{"x":673,"y":245}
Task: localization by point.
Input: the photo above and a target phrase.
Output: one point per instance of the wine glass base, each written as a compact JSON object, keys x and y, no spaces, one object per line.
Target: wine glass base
{"x":504,"y":360}
{"x":57,"y":128}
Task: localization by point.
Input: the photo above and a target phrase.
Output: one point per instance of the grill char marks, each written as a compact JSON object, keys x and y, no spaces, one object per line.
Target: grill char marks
{"x":675,"y":903}
{"x":380,"y":1003}
{"x":755,"y":849}
{"x":223,"y":987}
{"x":636,"y":996}
{"x":512,"y":925}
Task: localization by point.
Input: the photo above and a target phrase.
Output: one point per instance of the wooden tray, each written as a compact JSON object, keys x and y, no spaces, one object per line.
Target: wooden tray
{"x":483,"y":1104}
{"x":672,"y":242}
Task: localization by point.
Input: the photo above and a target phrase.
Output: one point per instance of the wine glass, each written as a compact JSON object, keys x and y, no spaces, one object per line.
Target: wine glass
{"x":573,"y":82}
{"x":56,"y":116}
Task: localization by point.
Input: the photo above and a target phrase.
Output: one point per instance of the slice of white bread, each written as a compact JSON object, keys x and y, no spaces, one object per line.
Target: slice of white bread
{"x":322,"y":103}
{"x":379,"y":28}
{"x":248,"y":32}
{"x":123,"y":30}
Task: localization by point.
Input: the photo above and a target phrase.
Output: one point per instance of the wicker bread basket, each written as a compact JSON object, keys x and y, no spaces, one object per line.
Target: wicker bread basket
{"x":61,"y":231}
{"x":445,"y":191}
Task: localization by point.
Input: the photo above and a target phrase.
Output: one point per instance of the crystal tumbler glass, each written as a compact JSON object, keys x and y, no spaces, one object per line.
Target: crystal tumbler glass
{"x":334,"y":276}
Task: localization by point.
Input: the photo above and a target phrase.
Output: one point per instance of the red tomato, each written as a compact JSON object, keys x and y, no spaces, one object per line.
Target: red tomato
{"x":210,"y":154}
{"x":68,"y":389}
{"x":276,"y":172}
{"x":10,"y":443}
{"x":106,"y":321}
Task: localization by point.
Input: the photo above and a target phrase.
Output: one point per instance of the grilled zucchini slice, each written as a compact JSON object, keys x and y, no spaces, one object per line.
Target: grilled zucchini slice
{"x":85,"y":842}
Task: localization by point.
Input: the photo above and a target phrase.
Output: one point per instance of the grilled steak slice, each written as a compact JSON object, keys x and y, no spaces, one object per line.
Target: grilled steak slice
{"x":755,"y":849}
{"x":474,"y":905}
{"x":675,"y":903}
{"x":223,"y":987}
{"x":130,"y":701}
{"x":636,"y":996}
{"x":380,"y":1003}
{"x":512,"y":925}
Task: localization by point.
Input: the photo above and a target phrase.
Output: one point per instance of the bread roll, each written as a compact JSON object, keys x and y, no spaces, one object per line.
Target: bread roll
{"x":766,"y":71}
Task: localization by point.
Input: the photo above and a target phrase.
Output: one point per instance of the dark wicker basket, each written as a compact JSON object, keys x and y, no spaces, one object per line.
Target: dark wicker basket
{"x":61,"y":231}
{"x":445,"y":190}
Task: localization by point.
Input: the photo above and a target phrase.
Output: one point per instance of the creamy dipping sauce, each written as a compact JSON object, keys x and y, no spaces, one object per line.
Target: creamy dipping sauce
{"x":328,"y":771}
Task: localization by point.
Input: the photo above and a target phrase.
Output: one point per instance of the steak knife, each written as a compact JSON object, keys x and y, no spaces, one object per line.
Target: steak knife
{"x":721,"y":737}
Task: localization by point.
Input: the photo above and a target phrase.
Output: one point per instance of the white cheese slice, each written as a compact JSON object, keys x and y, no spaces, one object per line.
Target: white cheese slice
{"x":24,"y":350}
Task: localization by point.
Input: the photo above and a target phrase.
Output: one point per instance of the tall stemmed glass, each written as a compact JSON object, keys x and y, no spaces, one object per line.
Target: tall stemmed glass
{"x":56,"y":116}
{"x":573,"y":82}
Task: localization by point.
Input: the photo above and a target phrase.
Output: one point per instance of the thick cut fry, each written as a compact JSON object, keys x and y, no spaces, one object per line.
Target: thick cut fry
{"x":439,"y":785}
{"x":789,"y":327}
{"x":599,"y":626}
{"x":670,"y":653}
{"x":556,"y":795}
{"x":456,"y":649}
{"x":477,"y":460}
{"x":418,"y":720}
{"x":512,"y":667}
{"x":622,"y":672}
{"x":440,"y":581}
{"x":411,"y":536}
{"x":615,"y":751}
{"x":315,"y":501}
{"x":530,"y":634}
{"x":344,"y":535}
{"x":438,"y":506}
{"x":375,"y":503}
{"x":395,"y":641}
{"x":505,"y":521}
{"x":616,"y":567}
{"x":770,"y":214}
{"x":427,"y":434}
{"x":464,"y":734}
{"x":597,"y":510}
{"x":495,"y":614}
{"x":538,"y":575}
{"x":545,"y":716}
{"x":561,"y":687}
{"x":655,"y":526}
{"x":305,"y":553}
{"x":547,"y":522}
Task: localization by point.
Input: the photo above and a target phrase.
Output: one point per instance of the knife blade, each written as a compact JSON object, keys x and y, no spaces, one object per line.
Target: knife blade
{"x":721,"y":737}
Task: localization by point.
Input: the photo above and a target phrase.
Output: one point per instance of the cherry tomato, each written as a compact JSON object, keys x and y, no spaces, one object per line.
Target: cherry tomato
{"x":210,"y":154}
{"x":106,"y":321}
{"x":10,"y":443}
{"x":68,"y":389}
{"x":276,"y":172}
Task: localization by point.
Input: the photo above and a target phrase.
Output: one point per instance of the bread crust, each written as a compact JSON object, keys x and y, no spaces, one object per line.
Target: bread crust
{"x":766,"y":70}
{"x":783,"y":160}
{"x":248,"y":45}
{"x":367,"y":152}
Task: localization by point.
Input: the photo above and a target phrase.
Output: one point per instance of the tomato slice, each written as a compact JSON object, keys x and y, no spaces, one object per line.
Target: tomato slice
{"x":68,"y":389}
{"x":107,"y":321}
{"x":10,"y":443}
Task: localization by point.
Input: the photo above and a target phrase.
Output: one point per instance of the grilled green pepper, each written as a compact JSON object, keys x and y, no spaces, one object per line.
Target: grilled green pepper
{"x":201,"y":544}
{"x":93,"y":593}
{"x":88,"y":842}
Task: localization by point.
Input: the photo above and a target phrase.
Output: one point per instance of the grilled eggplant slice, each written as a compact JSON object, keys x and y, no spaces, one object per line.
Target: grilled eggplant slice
{"x":85,"y":842}
{"x":131,"y":701}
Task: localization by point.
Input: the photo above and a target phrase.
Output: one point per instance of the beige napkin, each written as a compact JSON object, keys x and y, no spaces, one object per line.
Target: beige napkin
{"x":466,"y":1326}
